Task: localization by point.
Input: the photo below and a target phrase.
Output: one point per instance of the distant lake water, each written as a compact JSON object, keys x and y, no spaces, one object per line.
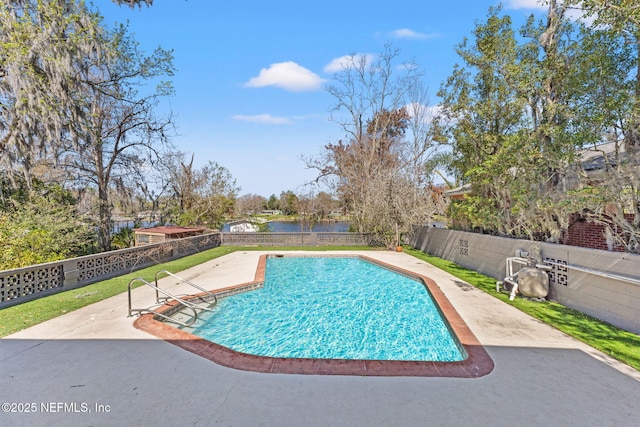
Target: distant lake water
{"x":298,"y":226}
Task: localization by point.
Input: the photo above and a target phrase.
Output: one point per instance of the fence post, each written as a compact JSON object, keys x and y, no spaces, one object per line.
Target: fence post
{"x":70,"y":273}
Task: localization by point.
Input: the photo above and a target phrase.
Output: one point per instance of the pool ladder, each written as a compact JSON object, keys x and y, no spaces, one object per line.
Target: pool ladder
{"x":169,"y":297}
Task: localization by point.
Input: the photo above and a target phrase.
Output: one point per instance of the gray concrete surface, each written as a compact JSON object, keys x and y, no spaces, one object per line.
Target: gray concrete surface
{"x":92,"y":368}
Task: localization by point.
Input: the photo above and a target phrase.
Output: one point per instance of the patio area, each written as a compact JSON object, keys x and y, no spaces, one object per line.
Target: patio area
{"x":92,"y":367}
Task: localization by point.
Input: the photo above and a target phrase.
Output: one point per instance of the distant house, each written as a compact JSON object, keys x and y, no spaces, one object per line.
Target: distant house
{"x":597,"y":159}
{"x":149,"y":236}
{"x":243,"y":226}
{"x":458,"y":193}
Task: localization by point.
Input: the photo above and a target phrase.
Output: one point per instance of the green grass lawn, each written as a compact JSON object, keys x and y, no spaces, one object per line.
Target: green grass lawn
{"x":618,"y":343}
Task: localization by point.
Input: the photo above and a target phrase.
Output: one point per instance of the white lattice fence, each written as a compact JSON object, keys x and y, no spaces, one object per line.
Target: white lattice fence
{"x":29,"y":281}
{"x":33,"y":282}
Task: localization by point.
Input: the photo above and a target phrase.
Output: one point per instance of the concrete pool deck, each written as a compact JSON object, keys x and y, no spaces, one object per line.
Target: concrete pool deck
{"x":92,"y":367}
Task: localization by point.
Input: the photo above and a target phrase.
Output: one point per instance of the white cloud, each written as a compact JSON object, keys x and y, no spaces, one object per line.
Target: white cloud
{"x":525,"y":4}
{"x":406,"y":33}
{"x":579,"y":15}
{"x":425,"y":113}
{"x":347,"y":61}
{"x":572,"y":13}
{"x":416,"y":109}
{"x":265,"y":119}
{"x":287,"y":75}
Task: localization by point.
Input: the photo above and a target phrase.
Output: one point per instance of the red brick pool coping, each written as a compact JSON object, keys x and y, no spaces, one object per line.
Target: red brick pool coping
{"x":477,"y":364}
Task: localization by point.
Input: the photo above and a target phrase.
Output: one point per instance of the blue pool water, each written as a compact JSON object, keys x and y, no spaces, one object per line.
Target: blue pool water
{"x":333,"y":308}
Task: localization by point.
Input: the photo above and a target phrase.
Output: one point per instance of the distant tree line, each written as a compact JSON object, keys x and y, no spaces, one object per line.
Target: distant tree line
{"x":321,"y":204}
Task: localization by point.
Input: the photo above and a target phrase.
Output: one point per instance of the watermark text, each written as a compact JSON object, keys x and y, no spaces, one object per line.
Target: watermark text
{"x":55,"y":407}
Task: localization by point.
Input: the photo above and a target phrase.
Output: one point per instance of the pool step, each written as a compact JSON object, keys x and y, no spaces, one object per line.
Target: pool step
{"x":183,"y":316}
{"x":186,"y":316}
{"x":206,"y":300}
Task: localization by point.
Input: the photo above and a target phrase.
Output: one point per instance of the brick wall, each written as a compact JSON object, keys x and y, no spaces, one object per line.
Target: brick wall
{"x":587,"y":234}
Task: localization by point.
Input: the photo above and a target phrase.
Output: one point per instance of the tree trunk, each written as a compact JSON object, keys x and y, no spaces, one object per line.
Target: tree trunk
{"x":104,"y":210}
{"x":104,"y":217}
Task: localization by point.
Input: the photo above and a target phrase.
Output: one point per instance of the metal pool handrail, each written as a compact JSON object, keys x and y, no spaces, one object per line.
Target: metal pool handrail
{"x":198,"y":306}
{"x":180,"y":301}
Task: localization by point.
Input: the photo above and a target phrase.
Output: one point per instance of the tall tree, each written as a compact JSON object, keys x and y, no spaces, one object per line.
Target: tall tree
{"x":607,"y":84}
{"x":507,"y":119}
{"x":206,"y":195}
{"x":377,"y":170}
{"x":43,"y":46}
{"x":483,"y":119}
{"x":554,"y":102}
{"x":119,"y":124}
{"x":272,"y":203}
{"x":70,"y":90}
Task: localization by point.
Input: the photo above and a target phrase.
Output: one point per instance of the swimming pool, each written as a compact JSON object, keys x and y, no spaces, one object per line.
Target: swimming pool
{"x":333,"y":308}
{"x":477,"y":362}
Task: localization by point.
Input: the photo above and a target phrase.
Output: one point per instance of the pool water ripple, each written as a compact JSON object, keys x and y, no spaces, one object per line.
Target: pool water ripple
{"x":333,"y":308}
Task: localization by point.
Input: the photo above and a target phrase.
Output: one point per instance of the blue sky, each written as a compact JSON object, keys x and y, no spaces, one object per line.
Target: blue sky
{"x":250,"y":74}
